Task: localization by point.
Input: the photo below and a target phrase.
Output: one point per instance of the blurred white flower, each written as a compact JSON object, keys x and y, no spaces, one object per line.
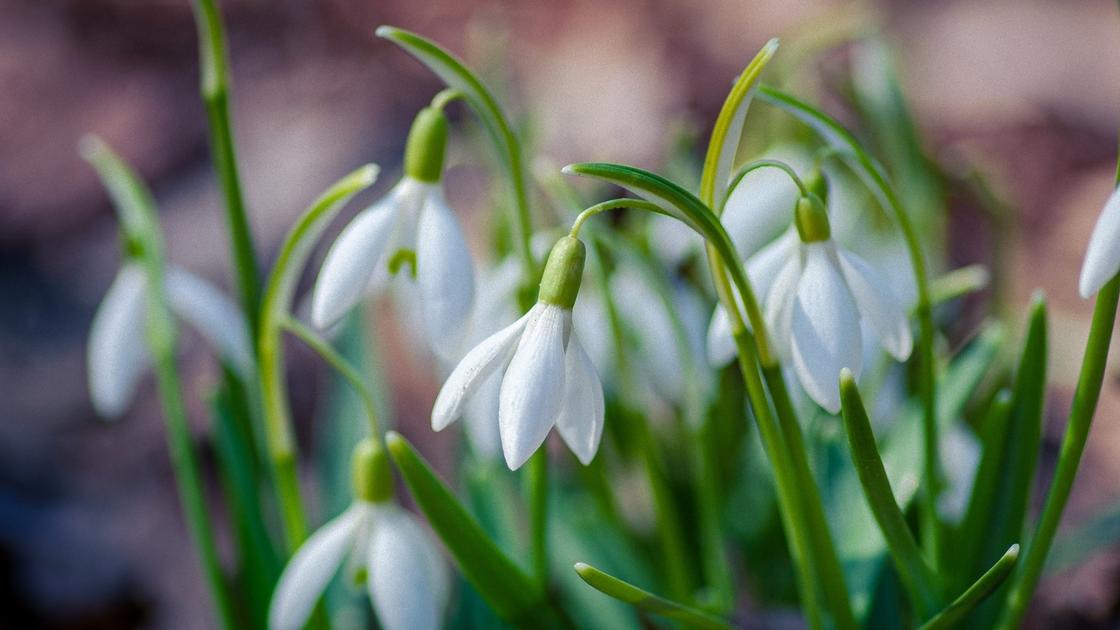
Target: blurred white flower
{"x":117,"y":354}
{"x":546,"y":378}
{"x":1102,"y":259}
{"x":814,"y":295}
{"x":405,"y":576}
{"x":412,"y":231}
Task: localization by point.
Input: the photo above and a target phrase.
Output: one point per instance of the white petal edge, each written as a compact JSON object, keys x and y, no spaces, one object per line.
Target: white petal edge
{"x":758,"y":208}
{"x":533,"y":386}
{"x":825,"y":328}
{"x":481,"y":417}
{"x":408,"y":580}
{"x":878,"y":305}
{"x":580,"y":422}
{"x":213,"y":315}
{"x":720,"y":343}
{"x":312,"y":567}
{"x":445,"y":274}
{"x":483,"y":360}
{"x":1102,"y":258}
{"x":352,"y":260}
{"x":779,"y":306}
{"x":116,"y":355}
{"x":763,"y":268}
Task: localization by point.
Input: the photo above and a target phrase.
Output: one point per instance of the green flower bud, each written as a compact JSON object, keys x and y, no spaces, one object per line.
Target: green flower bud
{"x":563,"y":273}
{"x":811,"y":219}
{"x":371,"y":475}
{"x":427,"y":141}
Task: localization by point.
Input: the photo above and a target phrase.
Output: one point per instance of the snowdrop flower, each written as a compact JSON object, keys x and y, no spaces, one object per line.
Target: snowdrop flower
{"x":383,"y":545}
{"x":546,"y":378}
{"x":814,"y":295}
{"x":117,"y":355}
{"x":410,"y":230}
{"x":1102,"y":259}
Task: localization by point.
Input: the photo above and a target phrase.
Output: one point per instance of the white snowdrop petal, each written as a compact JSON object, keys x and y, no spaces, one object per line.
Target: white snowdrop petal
{"x":352,"y":261}
{"x":445,"y":274}
{"x":644,"y":313}
{"x":117,"y":356}
{"x":580,"y":422}
{"x":486,"y":358}
{"x":310,"y":570}
{"x":1102,"y":258}
{"x":877,"y":304}
{"x":533,"y":387}
{"x":779,"y":305}
{"x":720,"y":343}
{"x":758,"y":208}
{"x":481,"y":417}
{"x":763,"y":268}
{"x":213,"y":315}
{"x":825,"y":329}
{"x":408,"y":581}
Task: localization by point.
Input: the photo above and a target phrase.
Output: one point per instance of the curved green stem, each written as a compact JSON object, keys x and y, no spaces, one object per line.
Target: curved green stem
{"x":766,"y":163}
{"x":612,"y":204}
{"x":446,"y":96}
{"x":275,"y":308}
{"x":214,"y":87}
{"x":340,"y":365}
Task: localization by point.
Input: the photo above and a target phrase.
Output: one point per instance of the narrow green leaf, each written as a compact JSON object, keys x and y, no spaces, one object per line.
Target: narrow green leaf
{"x":974,"y":595}
{"x":916,"y":576}
{"x":724,"y":141}
{"x":275,"y":306}
{"x":958,"y":283}
{"x":131,"y":199}
{"x":996,"y":516}
{"x":514,"y":596}
{"x":646,"y":601}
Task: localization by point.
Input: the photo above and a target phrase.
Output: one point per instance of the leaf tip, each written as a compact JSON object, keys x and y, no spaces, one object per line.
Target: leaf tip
{"x":385,"y":31}
{"x":1012,"y":552}
{"x":396,"y":444}
{"x":90,"y":146}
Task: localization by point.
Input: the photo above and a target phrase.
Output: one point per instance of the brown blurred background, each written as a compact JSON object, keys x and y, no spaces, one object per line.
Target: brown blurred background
{"x":90,"y":534}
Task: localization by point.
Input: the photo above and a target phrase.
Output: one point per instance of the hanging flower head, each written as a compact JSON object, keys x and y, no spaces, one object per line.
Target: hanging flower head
{"x":814,"y":295}
{"x":117,"y":355}
{"x":1102,"y":259}
{"x":383,"y":545}
{"x":546,"y":377}
{"x":411,"y":231}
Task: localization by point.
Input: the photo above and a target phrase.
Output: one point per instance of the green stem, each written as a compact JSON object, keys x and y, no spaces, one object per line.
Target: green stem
{"x":1073,"y":446}
{"x":767,"y":163}
{"x":445,"y":97}
{"x":340,"y":365}
{"x":214,"y":68}
{"x":537,"y":483}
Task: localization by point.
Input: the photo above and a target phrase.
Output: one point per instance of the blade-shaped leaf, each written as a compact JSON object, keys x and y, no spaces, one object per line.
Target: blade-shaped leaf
{"x":514,"y":596}
{"x":646,"y":601}
{"x":974,"y":595}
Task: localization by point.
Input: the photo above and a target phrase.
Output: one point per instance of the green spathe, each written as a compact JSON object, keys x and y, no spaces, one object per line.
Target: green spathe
{"x":811,"y":219}
{"x":427,"y":142}
{"x":372,"y":478}
{"x":563,"y":273}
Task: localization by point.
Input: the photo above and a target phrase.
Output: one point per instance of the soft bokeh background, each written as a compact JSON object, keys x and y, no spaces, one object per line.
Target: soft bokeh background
{"x":90,"y":534}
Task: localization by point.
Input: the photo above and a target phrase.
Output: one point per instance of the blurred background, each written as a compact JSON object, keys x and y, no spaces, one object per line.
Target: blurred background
{"x":1021,"y":95}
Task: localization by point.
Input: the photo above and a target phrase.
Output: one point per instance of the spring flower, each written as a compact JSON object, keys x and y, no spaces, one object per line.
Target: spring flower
{"x":1102,"y":259}
{"x":117,"y":354}
{"x":814,"y":295}
{"x":411,"y":227}
{"x":546,"y":377}
{"x":386,"y":548}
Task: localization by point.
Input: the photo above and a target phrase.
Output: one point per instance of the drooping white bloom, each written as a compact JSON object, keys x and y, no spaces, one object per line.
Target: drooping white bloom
{"x":411,"y":231}
{"x":814,"y":295}
{"x":117,"y":354}
{"x":405,"y":576}
{"x":1102,"y":259}
{"x":546,"y":378}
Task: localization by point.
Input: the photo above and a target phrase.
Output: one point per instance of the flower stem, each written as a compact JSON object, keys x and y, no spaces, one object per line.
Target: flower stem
{"x":214,"y":67}
{"x":537,"y":482}
{"x":446,"y":96}
{"x":757,"y":164}
{"x":1073,"y":446}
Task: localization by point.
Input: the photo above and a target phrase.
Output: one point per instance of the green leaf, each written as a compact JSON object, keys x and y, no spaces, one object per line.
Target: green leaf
{"x":646,"y":601}
{"x":995,"y":517}
{"x":958,"y":283}
{"x":972,"y":597}
{"x":513,"y":595}
{"x":916,"y":576}
{"x":724,"y":142}
{"x":131,"y":199}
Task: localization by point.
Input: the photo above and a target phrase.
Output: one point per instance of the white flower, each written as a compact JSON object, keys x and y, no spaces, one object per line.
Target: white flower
{"x":814,"y":295}
{"x":1102,"y":259}
{"x":546,"y":378}
{"x":117,"y":354}
{"x":405,"y":575}
{"x":410,"y":230}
